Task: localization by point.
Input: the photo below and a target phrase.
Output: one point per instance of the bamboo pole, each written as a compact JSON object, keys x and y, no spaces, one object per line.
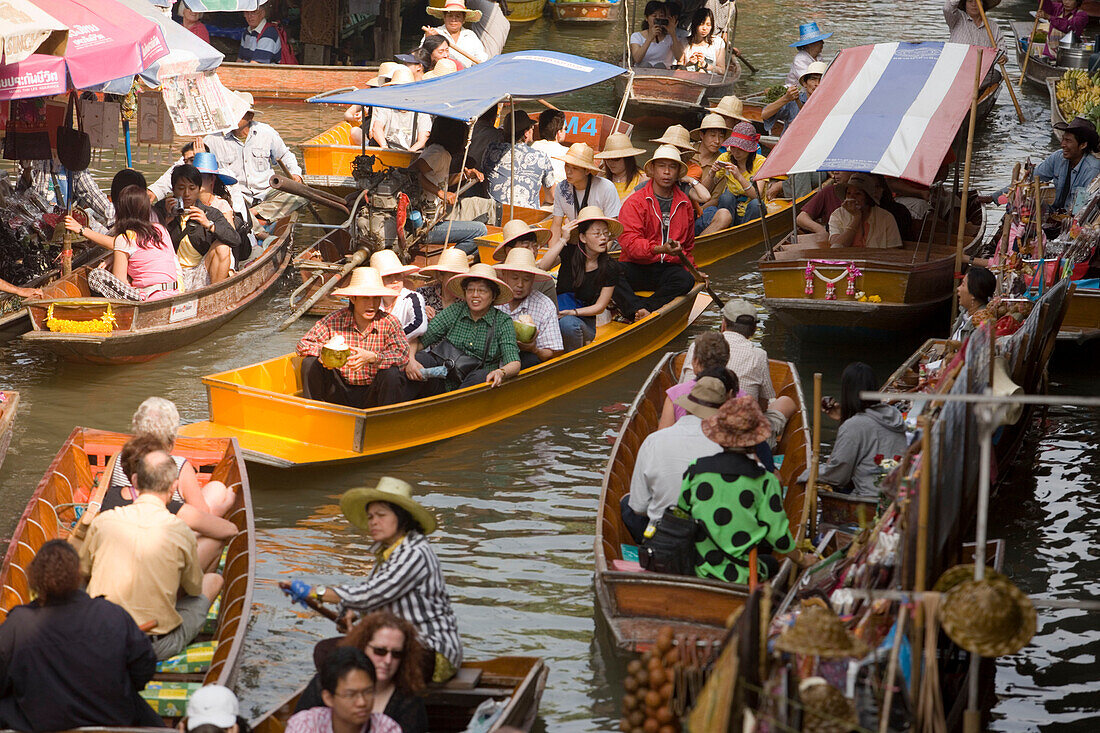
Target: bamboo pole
{"x":972,"y":716}
{"x":961,"y":237}
{"x":921,"y":572}
{"x":1030,"y":41}
{"x":1001,"y":61}
{"x":808,"y":511}
{"x":892,"y":670}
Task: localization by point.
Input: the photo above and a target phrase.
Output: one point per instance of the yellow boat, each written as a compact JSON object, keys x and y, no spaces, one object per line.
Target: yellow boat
{"x":328,"y":157}
{"x":525,"y":11}
{"x":261,"y":404}
{"x":1082,"y":319}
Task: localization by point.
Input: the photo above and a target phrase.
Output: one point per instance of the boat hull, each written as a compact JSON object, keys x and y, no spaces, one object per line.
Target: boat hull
{"x":8,"y":408}
{"x":668,"y":94}
{"x":525,"y":11}
{"x":586,"y":12}
{"x":1082,"y":320}
{"x":15,"y":323}
{"x":1038,"y":70}
{"x":278,"y":82}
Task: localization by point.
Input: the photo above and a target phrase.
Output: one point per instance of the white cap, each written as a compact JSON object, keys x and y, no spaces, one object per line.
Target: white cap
{"x":212,"y":705}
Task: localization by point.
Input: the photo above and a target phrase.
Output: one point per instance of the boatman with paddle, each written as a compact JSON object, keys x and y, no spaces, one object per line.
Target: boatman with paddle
{"x":466,"y":47}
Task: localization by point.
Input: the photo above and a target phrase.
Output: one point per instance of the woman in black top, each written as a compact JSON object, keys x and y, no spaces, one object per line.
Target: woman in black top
{"x":203,"y":237}
{"x":587,"y":276}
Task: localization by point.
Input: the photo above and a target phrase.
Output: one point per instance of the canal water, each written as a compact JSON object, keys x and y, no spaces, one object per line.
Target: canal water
{"x":518,"y":499}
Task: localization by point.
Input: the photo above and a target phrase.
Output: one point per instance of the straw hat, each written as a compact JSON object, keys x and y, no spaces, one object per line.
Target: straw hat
{"x":455,"y":6}
{"x":365,"y":283}
{"x":400,"y":75}
{"x":581,"y":155}
{"x":666,"y":152}
{"x":618,"y":145}
{"x":442,"y":68}
{"x":743,"y":136}
{"x":676,"y":136}
{"x":514,"y":229}
{"x":961,"y":574}
{"x":705,"y":398}
{"x":592,"y":213}
{"x":452,"y":261}
{"x":521,"y":259}
{"x":809,"y":33}
{"x":817,"y":67}
{"x":388,"y":263}
{"x":817,"y":630}
{"x":990,"y":617}
{"x":484,"y":272}
{"x":713,"y":121}
{"x":826,"y":710}
{"x":731,"y":106}
{"x":354,"y":503}
{"x":738,"y":423}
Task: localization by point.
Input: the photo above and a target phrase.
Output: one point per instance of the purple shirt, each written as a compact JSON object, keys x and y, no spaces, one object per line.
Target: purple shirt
{"x":319,"y":720}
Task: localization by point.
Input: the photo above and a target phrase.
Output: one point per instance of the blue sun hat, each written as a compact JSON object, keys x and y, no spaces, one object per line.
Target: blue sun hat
{"x":208,"y":163}
{"x":809,"y":33}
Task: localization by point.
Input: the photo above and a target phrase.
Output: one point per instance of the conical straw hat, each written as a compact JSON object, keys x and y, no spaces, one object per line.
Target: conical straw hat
{"x":618,"y":145}
{"x":365,"y":283}
{"x":819,"y":632}
{"x":990,"y":617}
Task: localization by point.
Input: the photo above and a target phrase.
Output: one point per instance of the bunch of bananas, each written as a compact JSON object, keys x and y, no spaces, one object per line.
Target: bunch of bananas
{"x":1078,"y":94}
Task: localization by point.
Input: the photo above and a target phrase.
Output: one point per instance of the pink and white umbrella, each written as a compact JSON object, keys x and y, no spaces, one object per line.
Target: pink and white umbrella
{"x":107,"y":40}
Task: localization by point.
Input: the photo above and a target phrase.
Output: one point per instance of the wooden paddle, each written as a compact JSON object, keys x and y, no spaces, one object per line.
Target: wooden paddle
{"x":1027,"y":52}
{"x":1000,"y":60}
{"x":747,"y":63}
{"x":312,"y":603}
{"x":701,"y":277}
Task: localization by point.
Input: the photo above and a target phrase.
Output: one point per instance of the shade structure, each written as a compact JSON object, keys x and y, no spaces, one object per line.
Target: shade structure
{"x":106,"y":39}
{"x":222,"y":6}
{"x":466,"y":95}
{"x":24,"y":28}
{"x":889,"y":108}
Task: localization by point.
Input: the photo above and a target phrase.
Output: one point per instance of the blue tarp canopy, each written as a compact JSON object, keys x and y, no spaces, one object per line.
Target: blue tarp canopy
{"x":466,"y":95}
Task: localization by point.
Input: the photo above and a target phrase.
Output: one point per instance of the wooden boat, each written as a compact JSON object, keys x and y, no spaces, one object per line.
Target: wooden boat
{"x":1038,"y":68}
{"x":9,"y":405}
{"x":658,"y":95}
{"x":1082,"y":321}
{"x":525,"y":11}
{"x":261,"y":404}
{"x":913,"y":282}
{"x":518,"y":680}
{"x":279,"y":82}
{"x":636,"y":604}
{"x":69,"y":483}
{"x":14,"y":321}
{"x":583,"y":11}
{"x":139,"y":331}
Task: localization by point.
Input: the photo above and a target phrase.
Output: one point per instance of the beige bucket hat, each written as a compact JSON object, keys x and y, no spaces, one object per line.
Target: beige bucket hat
{"x":388,"y":263}
{"x":667,"y":152}
{"x":354,"y":503}
{"x":676,"y":136}
{"x":581,"y":155}
{"x":365,"y":282}
{"x":451,"y":261}
{"x":442,"y":68}
{"x":455,"y":6}
{"x":713,"y":121}
{"x":484,"y":272}
{"x":521,"y":259}
{"x":592,"y":213}
{"x":400,"y":75}
{"x":730,"y":106}
{"x":513,"y":230}
{"x":618,"y":145}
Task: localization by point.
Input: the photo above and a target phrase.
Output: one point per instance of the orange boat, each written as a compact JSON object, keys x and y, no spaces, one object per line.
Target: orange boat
{"x":279,"y":82}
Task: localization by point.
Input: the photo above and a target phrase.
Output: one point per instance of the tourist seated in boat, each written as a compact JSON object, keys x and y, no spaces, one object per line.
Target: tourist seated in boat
{"x":408,"y":308}
{"x":787,"y":107}
{"x":465,"y":47}
{"x":141,"y":557}
{"x":361,"y":117}
{"x":220,"y":190}
{"x":583,"y":186}
{"x":703,"y":49}
{"x":393,"y":647}
{"x":1065,"y":18}
{"x":587,"y":277}
{"x":975,"y":291}
{"x":529,"y":307}
{"x":708,"y":352}
{"x":162,"y":187}
{"x":742,"y":197}
{"x":356,"y":355}
{"x":434,"y":49}
{"x":810,"y":44}
{"x":436,"y":180}
{"x":68,"y":659}
{"x":348,"y":681}
{"x":814,"y":216}
{"x":551,"y":135}
{"x":201,"y":235}
{"x":655,"y":46}
{"x":397,"y":128}
{"x":407,"y":579}
{"x":738,"y":503}
{"x":533,"y":174}
{"x":884,"y":198}
{"x":477,"y":342}
{"x":452,"y":261}
{"x":213,"y":709}
{"x":859,"y":222}
{"x":666,"y":453}
{"x":620,"y":164}
{"x":260,"y":43}
{"x":964,"y":19}
{"x":418,"y":61}
{"x":650,"y":248}
{"x":192,"y":21}
{"x":711,"y":216}
{"x":869,"y":432}
{"x":518,"y":233}
{"x":95,"y":232}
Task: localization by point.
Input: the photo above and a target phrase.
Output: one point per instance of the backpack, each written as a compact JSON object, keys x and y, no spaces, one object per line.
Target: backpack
{"x":671,"y":549}
{"x":287,"y":51}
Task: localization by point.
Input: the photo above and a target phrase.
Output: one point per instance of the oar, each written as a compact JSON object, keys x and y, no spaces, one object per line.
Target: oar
{"x":1027,"y":51}
{"x":312,"y":603}
{"x":701,"y":277}
{"x":1001,"y":61}
{"x":748,"y":63}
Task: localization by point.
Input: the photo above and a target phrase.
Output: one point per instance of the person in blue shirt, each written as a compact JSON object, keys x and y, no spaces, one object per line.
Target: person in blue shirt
{"x":786,"y":108}
{"x":1072,"y":168}
{"x":260,"y":43}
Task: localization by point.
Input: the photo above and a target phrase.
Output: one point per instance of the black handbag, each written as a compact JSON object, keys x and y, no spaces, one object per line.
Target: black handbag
{"x":459,"y":364}
{"x":74,"y":147}
{"x":671,"y":549}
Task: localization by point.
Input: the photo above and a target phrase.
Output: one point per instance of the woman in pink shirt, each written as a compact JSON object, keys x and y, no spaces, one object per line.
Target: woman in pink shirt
{"x":192,"y":21}
{"x":145,"y":266}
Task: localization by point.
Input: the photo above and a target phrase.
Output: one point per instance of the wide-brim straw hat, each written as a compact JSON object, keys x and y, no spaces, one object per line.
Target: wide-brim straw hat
{"x":354,"y":503}
{"x":739,"y":423}
{"x":484,"y":272}
{"x":442,"y":68}
{"x":512,"y":230}
{"x":825,"y":709}
{"x":592,"y":213}
{"x":452,"y":261}
{"x":667,"y":152}
{"x":818,"y":631}
{"x":713,"y":121}
{"x":581,"y":155}
{"x":817,"y":67}
{"x":400,"y":75}
{"x":677,"y":136}
{"x":618,"y":145}
{"x":961,"y":574}
{"x":365,"y":282}
{"x":989,"y":617}
{"x":730,"y":106}
{"x":455,"y":6}
{"x":521,"y":259}
{"x":388,"y":263}
{"x":809,"y":33}
{"x":706,"y":397}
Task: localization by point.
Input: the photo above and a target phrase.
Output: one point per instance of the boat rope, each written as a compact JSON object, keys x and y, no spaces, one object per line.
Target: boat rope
{"x":850,"y":271}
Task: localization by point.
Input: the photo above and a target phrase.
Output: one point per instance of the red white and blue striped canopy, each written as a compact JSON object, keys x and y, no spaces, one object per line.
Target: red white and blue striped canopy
{"x":890,"y":108}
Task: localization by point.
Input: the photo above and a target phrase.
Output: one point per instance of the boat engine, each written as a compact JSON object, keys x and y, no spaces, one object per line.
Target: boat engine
{"x":389,"y":208}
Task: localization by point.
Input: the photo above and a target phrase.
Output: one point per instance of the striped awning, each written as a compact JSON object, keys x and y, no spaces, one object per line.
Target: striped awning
{"x":890,"y":108}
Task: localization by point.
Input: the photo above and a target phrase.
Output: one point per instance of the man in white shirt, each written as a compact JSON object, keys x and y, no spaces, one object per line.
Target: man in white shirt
{"x":810,"y":43}
{"x":551,"y":136}
{"x":398,"y":128}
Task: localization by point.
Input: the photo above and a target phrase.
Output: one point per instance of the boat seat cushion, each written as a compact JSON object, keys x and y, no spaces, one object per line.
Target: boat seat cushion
{"x":194,"y":659}
{"x":169,"y":699}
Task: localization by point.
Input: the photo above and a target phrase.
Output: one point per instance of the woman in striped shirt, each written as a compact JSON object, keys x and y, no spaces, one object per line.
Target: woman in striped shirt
{"x":407,"y":579}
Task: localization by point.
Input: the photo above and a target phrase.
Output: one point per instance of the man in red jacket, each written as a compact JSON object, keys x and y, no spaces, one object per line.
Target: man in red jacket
{"x":658,"y":224}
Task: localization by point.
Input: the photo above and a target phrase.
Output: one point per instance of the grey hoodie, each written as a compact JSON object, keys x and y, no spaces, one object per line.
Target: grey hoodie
{"x":877,"y":432}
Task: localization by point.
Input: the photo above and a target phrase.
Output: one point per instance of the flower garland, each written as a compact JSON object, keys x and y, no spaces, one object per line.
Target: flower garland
{"x":104,"y":324}
{"x":851,"y":271}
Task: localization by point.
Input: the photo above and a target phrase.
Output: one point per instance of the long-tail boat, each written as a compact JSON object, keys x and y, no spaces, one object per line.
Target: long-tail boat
{"x":67,"y":493}
{"x":14,"y":321}
{"x":262,"y":404}
{"x":75,"y":324}
{"x":636,"y":604}
{"x":661,"y":95}
{"x":9,"y":405}
{"x":518,"y":681}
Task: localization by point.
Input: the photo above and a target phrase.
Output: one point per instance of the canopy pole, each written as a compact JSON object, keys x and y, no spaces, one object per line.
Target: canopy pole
{"x":622,"y":102}
{"x":1001,"y":62}
{"x":984,"y":413}
{"x":461,"y":174}
{"x":961,"y":237}
{"x":512,"y":162}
